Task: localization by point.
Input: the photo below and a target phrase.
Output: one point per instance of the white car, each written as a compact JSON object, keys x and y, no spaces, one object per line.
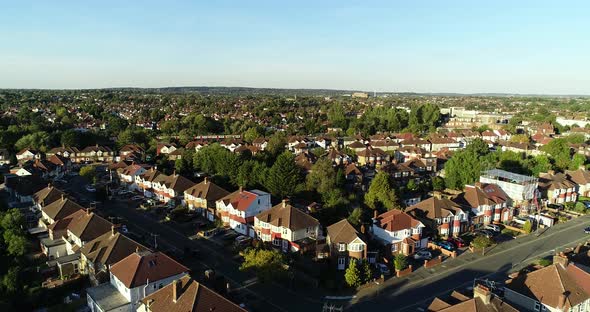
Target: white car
{"x":90,"y":188}
{"x":492,"y":227}
{"x":520,"y":220}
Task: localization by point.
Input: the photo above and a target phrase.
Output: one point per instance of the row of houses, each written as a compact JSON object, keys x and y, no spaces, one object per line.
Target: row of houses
{"x":93,"y":153}
{"x":126,"y":275}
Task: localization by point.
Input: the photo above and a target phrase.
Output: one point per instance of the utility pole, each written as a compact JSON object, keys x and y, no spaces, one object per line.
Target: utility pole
{"x":155,"y":236}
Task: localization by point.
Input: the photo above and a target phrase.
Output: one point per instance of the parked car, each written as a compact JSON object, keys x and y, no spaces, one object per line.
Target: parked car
{"x":492,"y":227}
{"x":586,"y":204}
{"x":242,"y":240}
{"x":445,"y":245}
{"x":486,"y":233}
{"x":124,"y":229}
{"x":520,"y":220}
{"x":458,"y":242}
{"x":423,"y":255}
{"x":382,"y":269}
{"x":62,"y":181}
{"x":587,"y":230}
{"x":90,"y":188}
{"x":555,"y":206}
{"x":123,"y":192}
{"x":137,"y":197}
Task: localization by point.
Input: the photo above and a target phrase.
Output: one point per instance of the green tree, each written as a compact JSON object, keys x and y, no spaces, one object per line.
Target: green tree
{"x":412,"y":186}
{"x":559,"y":151}
{"x":88,"y":172}
{"x":482,"y":241}
{"x":276,"y":144}
{"x":367,"y":271}
{"x":353,"y":275}
{"x":11,"y":281}
{"x":322,"y":177}
{"x":381,"y":195}
{"x":355,"y":216}
{"x":577,"y":161}
{"x":400,"y":262}
{"x":438,"y":184}
{"x":284,"y":176}
{"x":267,"y":264}
{"x":16,"y":241}
{"x":251,"y":134}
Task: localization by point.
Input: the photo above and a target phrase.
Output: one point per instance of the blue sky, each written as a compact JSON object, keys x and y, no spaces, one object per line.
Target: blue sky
{"x":420,"y":46}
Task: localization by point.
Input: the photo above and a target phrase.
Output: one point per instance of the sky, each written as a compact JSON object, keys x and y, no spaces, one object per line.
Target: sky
{"x":540,"y":47}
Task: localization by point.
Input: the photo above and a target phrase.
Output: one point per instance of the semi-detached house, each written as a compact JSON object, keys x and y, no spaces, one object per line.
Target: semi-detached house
{"x":287,"y":227}
{"x":239,"y":208}
{"x":399,"y":232}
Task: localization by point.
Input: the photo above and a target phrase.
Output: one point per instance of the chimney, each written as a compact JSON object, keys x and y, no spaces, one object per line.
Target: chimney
{"x":113,"y":232}
{"x":363,"y":230}
{"x":551,"y":172}
{"x":175,"y":290}
{"x":375,"y":214}
{"x":241,"y":189}
{"x":63,"y":197}
{"x":206,"y":180}
{"x":49,"y":185}
{"x":437,"y":195}
{"x":482,"y":293}
{"x":149,"y":302}
{"x":561,"y":259}
{"x":478,"y":185}
{"x":284,"y":203}
{"x":88,"y":210}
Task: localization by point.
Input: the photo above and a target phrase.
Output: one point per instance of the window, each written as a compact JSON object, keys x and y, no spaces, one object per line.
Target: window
{"x":417,"y":245}
{"x":393,"y":247}
{"x":537,"y":306}
{"x":285,"y":231}
{"x":342,"y":247}
{"x":276,"y":242}
{"x":357,"y":247}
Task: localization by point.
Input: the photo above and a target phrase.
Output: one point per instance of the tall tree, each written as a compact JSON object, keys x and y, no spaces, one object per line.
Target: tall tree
{"x":353,"y":275}
{"x":381,"y":195}
{"x":284,"y":176}
{"x":268,"y":264}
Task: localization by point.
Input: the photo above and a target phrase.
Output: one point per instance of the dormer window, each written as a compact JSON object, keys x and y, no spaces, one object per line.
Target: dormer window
{"x":342,"y":247}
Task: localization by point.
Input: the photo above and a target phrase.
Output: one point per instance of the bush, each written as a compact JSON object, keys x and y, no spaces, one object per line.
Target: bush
{"x":527,"y":227}
{"x":482,"y":242}
{"x":400,"y":262}
{"x":544,"y":262}
{"x":353,"y":274}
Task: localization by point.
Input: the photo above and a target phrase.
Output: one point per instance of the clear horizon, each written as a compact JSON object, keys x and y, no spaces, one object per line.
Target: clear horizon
{"x":529,"y":47}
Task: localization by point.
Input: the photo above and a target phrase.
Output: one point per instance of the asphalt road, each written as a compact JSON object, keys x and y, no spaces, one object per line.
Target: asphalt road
{"x":416,"y":292}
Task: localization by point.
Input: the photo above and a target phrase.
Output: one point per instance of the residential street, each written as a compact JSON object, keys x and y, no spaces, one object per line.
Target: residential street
{"x":417,"y":291}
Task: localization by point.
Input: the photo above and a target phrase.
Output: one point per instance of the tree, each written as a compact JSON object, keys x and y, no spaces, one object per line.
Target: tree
{"x":353,"y":274}
{"x":412,"y":186}
{"x":400,"y":262}
{"x":268,"y":264}
{"x":17,"y":243}
{"x":252,"y":134}
{"x":367,"y":271}
{"x":284,"y":176}
{"x":438,"y":184}
{"x":559,"y":151}
{"x":322,"y":177}
{"x":276,"y":144}
{"x":381,"y":196}
{"x":527,"y":227}
{"x":482,"y":241}
{"x":88,"y":172}
{"x":355,"y":216}
{"x":577,"y":161}
{"x":10,"y":280}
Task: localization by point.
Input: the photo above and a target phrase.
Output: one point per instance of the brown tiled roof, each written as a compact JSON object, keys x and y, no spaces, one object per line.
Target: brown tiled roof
{"x":356,"y":144}
{"x":352,"y":169}
{"x":395,"y":220}
{"x":433,"y":208}
{"x":110,"y":248}
{"x":190,"y":297}
{"x":207,"y":190}
{"x":61,"y":208}
{"x":552,"y":181}
{"x":546,"y":285}
{"x":461,"y":303}
{"x":48,"y":195}
{"x":176,"y":182}
{"x":139,"y":267}
{"x":486,"y":194}
{"x":287,"y":216}
{"x":580,"y":176}
{"x":88,"y":225}
{"x":343,"y":232}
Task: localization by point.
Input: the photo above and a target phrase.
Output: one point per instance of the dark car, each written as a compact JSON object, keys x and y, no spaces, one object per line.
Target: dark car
{"x":458,"y":242}
{"x":587,"y":230}
{"x":486,"y":233}
{"x":445,"y":245}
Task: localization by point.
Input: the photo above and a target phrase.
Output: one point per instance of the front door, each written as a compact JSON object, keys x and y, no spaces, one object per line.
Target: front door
{"x":341,"y":263}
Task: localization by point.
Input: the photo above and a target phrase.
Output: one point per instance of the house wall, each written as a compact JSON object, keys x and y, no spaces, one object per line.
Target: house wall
{"x":304,"y":233}
{"x":95,"y":308}
{"x":135,"y":294}
{"x":55,"y":251}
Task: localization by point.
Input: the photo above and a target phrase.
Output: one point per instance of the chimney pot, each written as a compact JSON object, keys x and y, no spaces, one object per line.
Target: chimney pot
{"x":375,"y":214}
{"x":483,"y":293}
{"x":175,"y":291}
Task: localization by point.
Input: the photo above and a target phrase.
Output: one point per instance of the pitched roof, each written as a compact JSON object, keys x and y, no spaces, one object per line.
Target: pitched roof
{"x":48,"y":195}
{"x":110,"y":248}
{"x":433,"y":208}
{"x":139,"y":267}
{"x":484,"y":194}
{"x":580,"y":176}
{"x":552,"y":181}
{"x":190,"y":297}
{"x":395,"y":220}
{"x":240,"y":199}
{"x":207,"y":190}
{"x":88,"y":225}
{"x":343,"y":232}
{"x":461,"y":303}
{"x":548,"y":284}
{"x":287,"y":216}
{"x":61,"y":208}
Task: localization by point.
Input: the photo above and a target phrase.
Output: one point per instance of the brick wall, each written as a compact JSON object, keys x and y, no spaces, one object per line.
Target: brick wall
{"x":434,"y":262}
{"x":404,"y":272}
